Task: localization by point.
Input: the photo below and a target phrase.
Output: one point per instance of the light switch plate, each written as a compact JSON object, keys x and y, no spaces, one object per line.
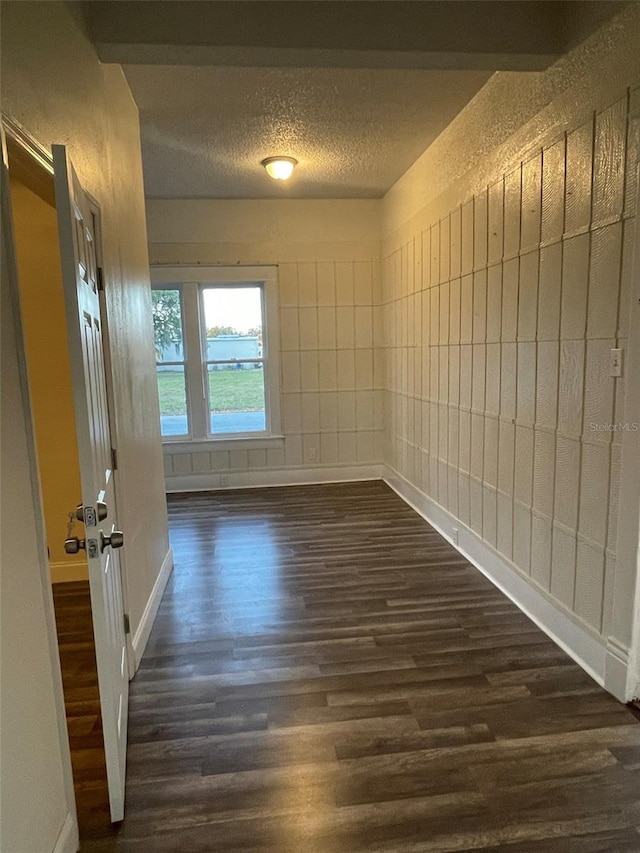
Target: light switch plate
{"x":615,"y":363}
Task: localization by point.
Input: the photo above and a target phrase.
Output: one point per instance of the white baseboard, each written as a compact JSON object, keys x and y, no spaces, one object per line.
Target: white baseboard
{"x":68,"y":840}
{"x":272,"y":477}
{"x":585,"y":646}
{"x":633,"y":676}
{"x":617,"y":670}
{"x":141,"y":635}
{"x":68,"y":572}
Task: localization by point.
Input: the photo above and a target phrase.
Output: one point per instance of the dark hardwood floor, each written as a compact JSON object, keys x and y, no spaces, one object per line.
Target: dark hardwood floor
{"x":82,"y":704}
{"x":327,"y":675}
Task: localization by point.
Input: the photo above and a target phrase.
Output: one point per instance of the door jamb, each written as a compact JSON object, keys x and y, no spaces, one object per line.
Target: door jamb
{"x":43,"y":562}
{"x":622,"y":673}
{"x":41,"y":158}
{"x":633,"y":472}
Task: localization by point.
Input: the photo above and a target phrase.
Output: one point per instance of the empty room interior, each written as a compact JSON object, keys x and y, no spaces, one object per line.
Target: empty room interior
{"x":320,"y":427}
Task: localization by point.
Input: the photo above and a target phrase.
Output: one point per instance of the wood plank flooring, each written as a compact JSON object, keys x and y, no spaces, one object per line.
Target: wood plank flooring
{"x":327,"y":675}
{"x":82,"y":704}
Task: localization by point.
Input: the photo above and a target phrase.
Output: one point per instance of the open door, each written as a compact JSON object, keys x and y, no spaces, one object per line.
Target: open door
{"x":97,"y":510}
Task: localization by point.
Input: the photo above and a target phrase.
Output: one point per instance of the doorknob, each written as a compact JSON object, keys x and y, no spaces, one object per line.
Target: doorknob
{"x":116,"y":540}
{"x":72,"y":545}
{"x":101,"y":507}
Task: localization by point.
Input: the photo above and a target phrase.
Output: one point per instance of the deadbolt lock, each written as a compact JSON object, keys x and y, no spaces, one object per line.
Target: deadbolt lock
{"x":102,"y":510}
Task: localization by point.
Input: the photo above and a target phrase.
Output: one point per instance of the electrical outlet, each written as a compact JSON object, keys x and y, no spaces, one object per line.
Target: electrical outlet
{"x":313,"y":454}
{"x":454,"y":535}
{"x":224,"y":480}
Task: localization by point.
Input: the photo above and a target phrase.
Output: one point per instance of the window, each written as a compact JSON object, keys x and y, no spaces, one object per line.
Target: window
{"x":215,"y":334}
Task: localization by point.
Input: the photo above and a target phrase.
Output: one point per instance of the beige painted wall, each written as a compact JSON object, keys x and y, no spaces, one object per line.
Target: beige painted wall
{"x":327,"y":254}
{"x":504,"y":290}
{"x":55,"y":87}
{"x":45,"y":332}
{"x":35,"y":769}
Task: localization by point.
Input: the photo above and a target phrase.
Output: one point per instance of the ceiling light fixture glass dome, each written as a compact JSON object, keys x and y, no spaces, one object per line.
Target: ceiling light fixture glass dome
{"x":279,"y":168}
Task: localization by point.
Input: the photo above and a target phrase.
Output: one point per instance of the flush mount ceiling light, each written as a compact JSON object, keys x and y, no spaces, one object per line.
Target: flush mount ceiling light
{"x":279,"y":168}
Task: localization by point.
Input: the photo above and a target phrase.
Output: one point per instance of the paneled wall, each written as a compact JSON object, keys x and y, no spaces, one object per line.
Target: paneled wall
{"x":329,"y":302}
{"x":331,"y":377}
{"x":43,"y":54}
{"x":499,"y":318}
{"x":506,"y":281}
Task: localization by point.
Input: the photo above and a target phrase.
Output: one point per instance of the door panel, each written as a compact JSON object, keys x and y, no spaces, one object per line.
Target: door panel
{"x":84,"y":327}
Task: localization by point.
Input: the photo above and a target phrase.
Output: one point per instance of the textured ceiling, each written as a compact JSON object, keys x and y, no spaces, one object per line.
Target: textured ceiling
{"x":353,"y":131}
{"x":356,"y":91}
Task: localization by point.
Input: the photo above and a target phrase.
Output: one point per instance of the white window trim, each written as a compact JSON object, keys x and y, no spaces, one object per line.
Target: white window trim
{"x":188,"y":276}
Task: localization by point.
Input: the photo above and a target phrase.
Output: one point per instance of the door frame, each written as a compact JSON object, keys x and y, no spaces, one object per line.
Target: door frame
{"x":622,"y":668}
{"x":631,"y":440}
{"x":8,"y":245}
{"x":108,"y":376}
{"x":41,"y":159}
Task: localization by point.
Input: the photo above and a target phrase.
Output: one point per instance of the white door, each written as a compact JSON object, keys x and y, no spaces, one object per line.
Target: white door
{"x":98,"y":512}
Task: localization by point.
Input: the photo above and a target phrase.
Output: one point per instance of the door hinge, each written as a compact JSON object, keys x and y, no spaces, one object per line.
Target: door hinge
{"x":114,"y":459}
{"x":100,"y":279}
{"x":127,"y":624}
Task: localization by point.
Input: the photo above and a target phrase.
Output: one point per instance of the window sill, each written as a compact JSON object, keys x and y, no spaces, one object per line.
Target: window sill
{"x":245,"y":442}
